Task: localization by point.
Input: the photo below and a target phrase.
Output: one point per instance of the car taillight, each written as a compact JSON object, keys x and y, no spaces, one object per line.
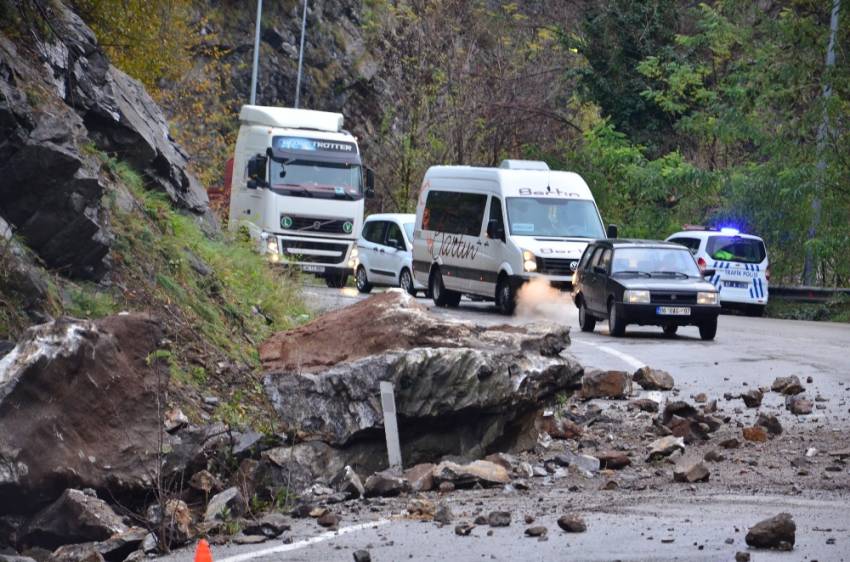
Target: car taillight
{"x":767,"y":273}
{"x":701,"y":263}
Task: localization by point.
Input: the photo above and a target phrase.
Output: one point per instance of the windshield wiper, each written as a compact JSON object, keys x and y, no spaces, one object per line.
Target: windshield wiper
{"x":297,"y":188}
{"x":632,"y":272}
{"x":685,"y":275}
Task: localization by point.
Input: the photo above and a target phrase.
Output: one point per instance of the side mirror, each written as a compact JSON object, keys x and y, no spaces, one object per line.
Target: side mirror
{"x":370,"y":183}
{"x":708,"y":272}
{"x":612,"y":231}
{"x":251,"y":184}
{"x":494,"y":231}
{"x":257,"y":171}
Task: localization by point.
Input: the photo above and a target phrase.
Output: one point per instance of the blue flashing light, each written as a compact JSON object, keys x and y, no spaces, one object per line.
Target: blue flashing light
{"x":730,"y":231}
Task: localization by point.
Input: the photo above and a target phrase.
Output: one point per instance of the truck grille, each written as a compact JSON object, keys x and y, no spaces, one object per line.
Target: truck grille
{"x":292,"y":248}
{"x":556,"y":266}
{"x":316,"y":224}
{"x":668,"y":297}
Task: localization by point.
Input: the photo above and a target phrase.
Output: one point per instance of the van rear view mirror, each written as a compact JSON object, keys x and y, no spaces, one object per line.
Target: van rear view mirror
{"x":257,"y":171}
{"x":495,"y":231}
{"x":612,"y":231}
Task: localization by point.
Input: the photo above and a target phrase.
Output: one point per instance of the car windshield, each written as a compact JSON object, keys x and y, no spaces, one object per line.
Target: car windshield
{"x":555,"y":217}
{"x":735,"y":248}
{"x":408,"y":228}
{"x":654,"y":261}
{"x":310,"y":178}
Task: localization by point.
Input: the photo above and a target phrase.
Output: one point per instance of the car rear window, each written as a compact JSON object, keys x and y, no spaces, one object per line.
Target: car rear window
{"x":735,"y":248}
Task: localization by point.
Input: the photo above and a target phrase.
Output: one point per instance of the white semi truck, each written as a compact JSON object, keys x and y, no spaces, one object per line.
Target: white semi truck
{"x":297,"y":188}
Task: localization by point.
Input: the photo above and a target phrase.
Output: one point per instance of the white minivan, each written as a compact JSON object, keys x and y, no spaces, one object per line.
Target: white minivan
{"x":383,"y":253}
{"x":483,"y":232}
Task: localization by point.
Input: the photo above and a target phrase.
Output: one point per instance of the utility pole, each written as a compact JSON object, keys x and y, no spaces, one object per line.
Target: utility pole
{"x":300,"y":56}
{"x":809,"y":267}
{"x":256,"y":53}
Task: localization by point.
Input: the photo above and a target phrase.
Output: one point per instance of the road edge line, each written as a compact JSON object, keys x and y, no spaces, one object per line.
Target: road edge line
{"x":630,"y":360}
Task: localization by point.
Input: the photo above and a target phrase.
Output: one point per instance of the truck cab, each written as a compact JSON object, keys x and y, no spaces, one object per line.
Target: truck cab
{"x":298,"y":188}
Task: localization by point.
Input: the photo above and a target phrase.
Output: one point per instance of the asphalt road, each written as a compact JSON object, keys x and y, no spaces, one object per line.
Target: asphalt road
{"x":693,"y":522}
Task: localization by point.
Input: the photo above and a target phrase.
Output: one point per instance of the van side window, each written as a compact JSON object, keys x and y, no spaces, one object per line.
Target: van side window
{"x":374,"y":231}
{"x":394,"y":236}
{"x":496,"y":215}
{"x":455,"y":213}
{"x":691,"y":244}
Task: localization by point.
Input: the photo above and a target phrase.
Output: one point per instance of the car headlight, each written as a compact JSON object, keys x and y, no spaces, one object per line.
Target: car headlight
{"x":529,"y":261}
{"x":636,"y":297}
{"x":707,"y":298}
{"x":271,"y":246}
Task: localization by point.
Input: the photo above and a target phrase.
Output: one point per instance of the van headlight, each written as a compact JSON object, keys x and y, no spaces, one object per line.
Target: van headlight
{"x":635,"y":297}
{"x":529,"y":261}
{"x":707,"y":298}
{"x":352,"y":262}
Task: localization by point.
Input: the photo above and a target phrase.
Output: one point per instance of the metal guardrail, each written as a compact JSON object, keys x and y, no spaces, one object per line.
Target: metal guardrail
{"x":807,"y":294}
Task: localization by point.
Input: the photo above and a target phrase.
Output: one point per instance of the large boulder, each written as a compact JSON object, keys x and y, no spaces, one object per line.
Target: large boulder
{"x":462,"y":382}
{"x":78,"y":409}
{"x":73,"y":518}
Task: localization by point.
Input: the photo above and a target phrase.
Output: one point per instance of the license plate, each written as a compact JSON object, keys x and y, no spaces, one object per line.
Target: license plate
{"x":313,"y":268}
{"x":735,"y":284}
{"x":673,"y":310}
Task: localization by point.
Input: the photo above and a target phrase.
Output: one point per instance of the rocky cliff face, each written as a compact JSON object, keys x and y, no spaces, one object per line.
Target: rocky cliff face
{"x":60,"y":102}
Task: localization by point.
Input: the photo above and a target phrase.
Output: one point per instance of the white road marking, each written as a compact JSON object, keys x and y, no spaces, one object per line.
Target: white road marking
{"x":633,"y":362}
{"x":301,"y":544}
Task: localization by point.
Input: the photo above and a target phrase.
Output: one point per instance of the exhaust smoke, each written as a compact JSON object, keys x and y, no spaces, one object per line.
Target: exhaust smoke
{"x":538,"y":300}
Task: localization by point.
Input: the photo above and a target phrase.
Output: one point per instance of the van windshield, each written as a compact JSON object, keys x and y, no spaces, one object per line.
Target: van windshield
{"x":735,"y":248}
{"x":544,"y":216}
{"x":312,"y":178}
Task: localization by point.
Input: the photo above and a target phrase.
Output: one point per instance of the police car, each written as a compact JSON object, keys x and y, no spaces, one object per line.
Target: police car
{"x":742,"y":270}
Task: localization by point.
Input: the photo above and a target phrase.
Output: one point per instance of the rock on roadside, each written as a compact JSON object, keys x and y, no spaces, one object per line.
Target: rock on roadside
{"x":777,"y":532}
{"x":73,"y":518}
{"x":606,"y":384}
{"x":653,"y":379}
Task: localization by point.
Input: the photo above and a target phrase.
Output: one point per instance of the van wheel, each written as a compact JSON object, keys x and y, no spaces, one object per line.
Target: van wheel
{"x":405,"y":281}
{"x":616,"y":321}
{"x":586,"y":321}
{"x":442,"y":296}
{"x":336,"y":281}
{"x":505,"y":297}
{"x":670,"y":330}
{"x":708,"y":329}
{"x":361,"y":281}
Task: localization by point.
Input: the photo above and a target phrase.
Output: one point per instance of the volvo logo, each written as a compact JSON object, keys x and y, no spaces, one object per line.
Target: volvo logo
{"x":347,"y":227}
{"x":317,"y":225}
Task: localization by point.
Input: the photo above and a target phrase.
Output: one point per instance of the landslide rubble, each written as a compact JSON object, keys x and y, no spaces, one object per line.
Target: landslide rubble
{"x":460,"y":389}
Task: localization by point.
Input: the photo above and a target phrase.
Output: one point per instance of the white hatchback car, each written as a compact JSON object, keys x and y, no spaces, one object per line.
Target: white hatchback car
{"x":383,"y":253}
{"x":740,"y":264}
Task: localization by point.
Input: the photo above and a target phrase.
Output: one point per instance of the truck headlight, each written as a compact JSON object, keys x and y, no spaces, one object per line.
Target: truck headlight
{"x":529,"y":261}
{"x":635,"y":297}
{"x":707,"y":298}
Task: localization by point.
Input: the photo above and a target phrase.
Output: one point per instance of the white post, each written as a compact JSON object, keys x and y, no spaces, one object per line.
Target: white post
{"x":256,"y":53}
{"x":300,"y":56}
{"x":391,"y":425}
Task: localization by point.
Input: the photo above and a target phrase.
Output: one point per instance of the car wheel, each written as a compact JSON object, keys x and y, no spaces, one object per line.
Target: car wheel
{"x":708,"y":329}
{"x":586,"y":321}
{"x":336,"y":281}
{"x":616,"y":321}
{"x":670,"y":330}
{"x":361,"y":280}
{"x":441,"y":295}
{"x":405,"y":281}
{"x":505,"y":297}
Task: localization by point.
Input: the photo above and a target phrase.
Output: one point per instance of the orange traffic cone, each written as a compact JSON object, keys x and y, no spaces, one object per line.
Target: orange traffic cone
{"x":202,"y":553}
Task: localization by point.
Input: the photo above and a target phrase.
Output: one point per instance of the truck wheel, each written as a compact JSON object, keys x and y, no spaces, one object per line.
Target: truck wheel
{"x":442,"y":296}
{"x":336,"y":280}
{"x":505,"y":297}
{"x":361,"y":280}
{"x":616,"y":321}
{"x":405,"y":281}
{"x":586,"y":321}
{"x":708,"y":329}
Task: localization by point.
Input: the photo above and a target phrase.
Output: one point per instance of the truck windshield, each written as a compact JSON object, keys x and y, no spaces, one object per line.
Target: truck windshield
{"x":312,"y":178}
{"x":544,"y":216}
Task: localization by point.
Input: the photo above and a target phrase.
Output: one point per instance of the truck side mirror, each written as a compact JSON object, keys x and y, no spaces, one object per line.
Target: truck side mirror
{"x":257,"y":172}
{"x":612,"y":231}
{"x":370,"y":183}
